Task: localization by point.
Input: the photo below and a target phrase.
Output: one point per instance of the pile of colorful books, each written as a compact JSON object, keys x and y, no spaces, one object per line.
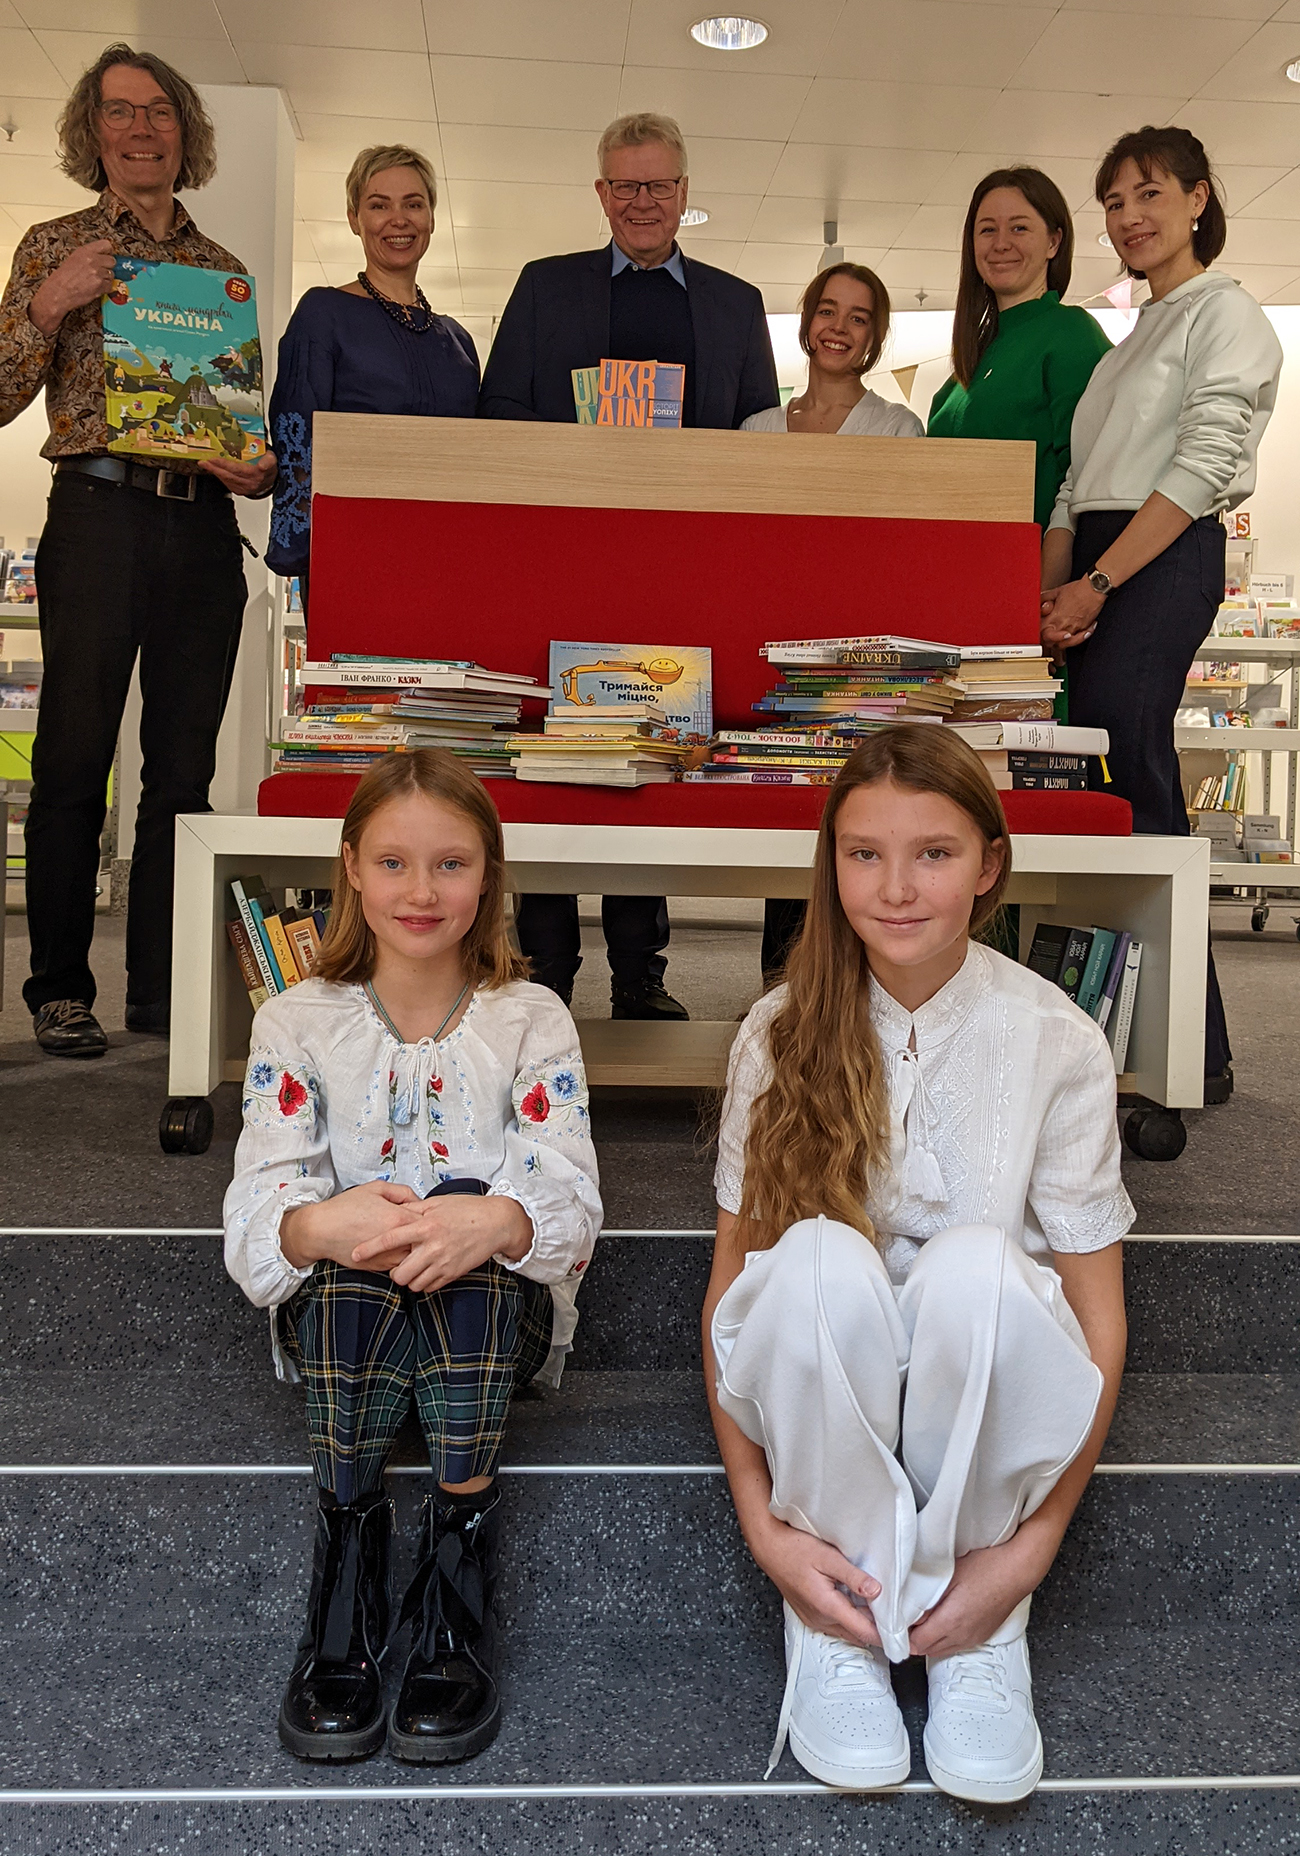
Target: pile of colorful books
{"x":364,"y":707}
{"x":275,"y":947}
{"x":1098,"y":969}
{"x":614,"y":744}
{"x":1006,"y":683}
{"x":877,"y":680}
{"x":1051,"y":757}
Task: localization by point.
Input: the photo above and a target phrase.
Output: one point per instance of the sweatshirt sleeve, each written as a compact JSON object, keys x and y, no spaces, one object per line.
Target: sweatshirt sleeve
{"x":1067,"y":369}
{"x":282,"y":1159}
{"x":1232,"y":367}
{"x":748,"y":1074}
{"x":550,"y":1161}
{"x":25,"y":354}
{"x":304,"y":384}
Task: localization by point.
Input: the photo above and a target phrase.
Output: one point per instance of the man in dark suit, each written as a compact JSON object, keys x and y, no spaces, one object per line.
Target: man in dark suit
{"x":639,"y":298}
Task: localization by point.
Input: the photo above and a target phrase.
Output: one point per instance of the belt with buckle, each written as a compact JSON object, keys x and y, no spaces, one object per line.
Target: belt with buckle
{"x":178,"y":485}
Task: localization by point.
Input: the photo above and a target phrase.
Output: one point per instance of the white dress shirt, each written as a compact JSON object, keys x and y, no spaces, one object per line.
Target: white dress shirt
{"x":1179,"y":406}
{"x":1003,"y":1114}
{"x":872,"y":417}
{"x":332,"y":1099}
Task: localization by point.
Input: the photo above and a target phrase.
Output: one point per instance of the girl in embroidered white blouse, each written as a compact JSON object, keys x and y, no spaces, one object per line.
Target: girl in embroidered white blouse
{"x":415,"y":1199}
{"x":918,"y":1184}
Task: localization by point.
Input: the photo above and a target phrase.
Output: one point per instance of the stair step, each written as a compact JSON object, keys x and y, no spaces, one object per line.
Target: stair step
{"x":643,"y":1644}
{"x":127,"y":1414}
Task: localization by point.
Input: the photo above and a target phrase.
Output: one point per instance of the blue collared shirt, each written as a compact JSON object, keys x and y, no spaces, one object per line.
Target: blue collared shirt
{"x":674,"y":266}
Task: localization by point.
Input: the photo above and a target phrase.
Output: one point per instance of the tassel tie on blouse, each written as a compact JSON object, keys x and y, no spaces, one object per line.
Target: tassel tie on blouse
{"x":409,"y":1068}
{"x":920,"y":1176}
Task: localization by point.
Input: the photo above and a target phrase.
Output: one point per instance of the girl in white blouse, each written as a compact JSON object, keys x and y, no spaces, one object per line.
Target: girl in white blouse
{"x":918,"y":1181}
{"x":415,"y":1199}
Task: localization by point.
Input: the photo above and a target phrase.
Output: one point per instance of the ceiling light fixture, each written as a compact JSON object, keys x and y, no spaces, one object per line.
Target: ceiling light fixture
{"x":1293,"y":70}
{"x":694,"y":216}
{"x":1104,"y":238}
{"x":729,"y":33}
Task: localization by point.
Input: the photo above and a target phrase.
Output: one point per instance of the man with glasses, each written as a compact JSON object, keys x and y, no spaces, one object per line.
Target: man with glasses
{"x":639,"y":298}
{"x":134,"y":560}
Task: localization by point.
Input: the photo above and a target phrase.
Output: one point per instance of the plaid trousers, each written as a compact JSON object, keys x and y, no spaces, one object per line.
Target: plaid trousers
{"x":365,"y":1347}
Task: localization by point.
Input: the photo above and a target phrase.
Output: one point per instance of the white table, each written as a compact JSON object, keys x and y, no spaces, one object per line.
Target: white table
{"x":1157,"y":888}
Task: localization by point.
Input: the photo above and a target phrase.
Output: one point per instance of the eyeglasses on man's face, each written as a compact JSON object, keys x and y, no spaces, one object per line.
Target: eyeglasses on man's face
{"x":657,"y":189}
{"x":119,"y":114}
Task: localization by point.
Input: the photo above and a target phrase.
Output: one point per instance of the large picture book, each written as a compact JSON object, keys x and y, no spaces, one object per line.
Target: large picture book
{"x":673,"y":683}
{"x":182,"y":363}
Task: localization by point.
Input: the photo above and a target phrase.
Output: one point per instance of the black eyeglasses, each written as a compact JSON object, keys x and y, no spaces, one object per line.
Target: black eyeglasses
{"x":119,"y":114}
{"x":657,"y":189}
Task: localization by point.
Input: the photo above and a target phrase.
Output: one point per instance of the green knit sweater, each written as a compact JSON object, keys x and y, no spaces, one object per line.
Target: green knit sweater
{"x":1027,"y":385}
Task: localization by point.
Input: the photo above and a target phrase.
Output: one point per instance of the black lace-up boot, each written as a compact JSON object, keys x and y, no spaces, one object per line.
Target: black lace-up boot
{"x":333,"y":1706}
{"x":449,"y":1707}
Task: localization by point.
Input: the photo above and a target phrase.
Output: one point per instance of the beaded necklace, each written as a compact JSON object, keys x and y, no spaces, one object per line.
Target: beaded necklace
{"x":402,"y":313}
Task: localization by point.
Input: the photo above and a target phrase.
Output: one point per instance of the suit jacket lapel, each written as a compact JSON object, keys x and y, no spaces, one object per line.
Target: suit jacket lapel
{"x":595,"y":307}
{"x":704,"y":324}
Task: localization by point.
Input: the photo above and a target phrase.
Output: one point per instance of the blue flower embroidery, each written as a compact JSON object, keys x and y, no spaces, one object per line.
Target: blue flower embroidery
{"x":564,"y":1085}
{"x":532,"y":1164}
{"x":262,"y":1076}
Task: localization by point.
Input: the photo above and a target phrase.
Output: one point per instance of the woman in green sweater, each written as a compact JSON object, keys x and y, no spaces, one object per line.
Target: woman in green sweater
{"x":1020,"y":360}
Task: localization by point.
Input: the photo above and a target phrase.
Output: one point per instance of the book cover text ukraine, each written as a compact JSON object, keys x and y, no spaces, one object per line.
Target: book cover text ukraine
{"x":629,"y":393}
{"x":182,"y":363}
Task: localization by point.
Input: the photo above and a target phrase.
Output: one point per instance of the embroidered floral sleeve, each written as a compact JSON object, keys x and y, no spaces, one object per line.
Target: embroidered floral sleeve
{"x":1075,"y":1189}
{"x":282,"y":1159}
{"x":304,"y":384}
{"x":550,"y":1162}
{"x":25,"y":354}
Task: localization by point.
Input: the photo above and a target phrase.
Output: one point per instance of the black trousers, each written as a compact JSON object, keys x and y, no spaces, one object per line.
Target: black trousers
{"x":783,"y":918}
{"x":636,"y":934}
{"x":122,"y":573}
{"x":1128,"y":678}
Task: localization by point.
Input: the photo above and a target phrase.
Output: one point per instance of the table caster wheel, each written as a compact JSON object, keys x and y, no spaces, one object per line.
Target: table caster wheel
{"x":1155,"y":1133}
{"x":1259,"y":920}
{"x":185,"y":1125}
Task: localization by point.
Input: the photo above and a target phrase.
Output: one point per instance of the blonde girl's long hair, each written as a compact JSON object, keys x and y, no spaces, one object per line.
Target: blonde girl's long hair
{"x":347,"y":950}
{"x":819,"y":1134}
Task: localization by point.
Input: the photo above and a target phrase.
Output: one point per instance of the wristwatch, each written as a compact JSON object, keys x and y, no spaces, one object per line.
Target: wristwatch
{"x":1100,"y":582}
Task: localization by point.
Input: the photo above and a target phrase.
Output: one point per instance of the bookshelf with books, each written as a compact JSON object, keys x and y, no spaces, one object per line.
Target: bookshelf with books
{"x":274,"y":944}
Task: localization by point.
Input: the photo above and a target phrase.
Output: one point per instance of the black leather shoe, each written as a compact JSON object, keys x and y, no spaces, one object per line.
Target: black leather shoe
{"x":67,"y":1028}
{"x":1218,"y":1088}
{"x":151,"y":1021}
{"x":649,"y":1000}
{"x":333,"y":1706}
{"x":450,"y":1707}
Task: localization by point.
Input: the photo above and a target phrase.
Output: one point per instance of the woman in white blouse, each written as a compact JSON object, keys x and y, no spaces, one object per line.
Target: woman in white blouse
{"x":843,"y":326}
{"x":1164,"y":441}
{"x":415,"y":1199}
{"x":918,"y":1181}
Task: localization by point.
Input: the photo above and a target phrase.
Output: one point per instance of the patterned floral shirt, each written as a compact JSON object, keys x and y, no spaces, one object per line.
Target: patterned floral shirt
{"x":1002,"y":1111}
{"x":70,"y":363}
{"x":332,"y":1099}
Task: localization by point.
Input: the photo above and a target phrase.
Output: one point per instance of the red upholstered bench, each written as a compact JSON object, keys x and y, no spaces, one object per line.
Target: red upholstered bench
{"x":528,"y":802}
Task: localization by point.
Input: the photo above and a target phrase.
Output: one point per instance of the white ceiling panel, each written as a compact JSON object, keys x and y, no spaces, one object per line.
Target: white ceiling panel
{"x":500,"y":248}
{"x":722,"y":253}
{"x":331,"y":143}
{"x":1263,"y":241}
{"x":10,"y":16}
{"x":1049,"y":123}
{"x":798,"y":35}
{"x":728,"y":102}
{"x":1290,"y":11}
{"x":1280,"y":201}
{"x":731,"y":164}
{"x":205,"y":61}
{"x":26,"y":68}
{"x":731,"y":215}
{"x":934,"y":228}
{"x":523,"y":207}
{"x":914,"y":270}
{"x":343,"y":82}
{"x":319,"y":196}
{"x":12,"y":228}
{"x":1257,"y":73}
{"x":306,"y":276}
{"x":518,"y":93}
{"x":587,"y":31}
{"x":779,"y":263}
{"x":799,"y":221}
{"x":1072,"y":174}
{"x":867,"y":114}
{"x":778,"y":299}
{"x":379,"y":25}
{"x":807,"y":169}
{"x":1117,"y":54}
{"x":935,"y":41}
{"x":1263,"y":133}
{"x":487,"y":288}
{"x":1186,"y":9}
{"x":33,"y":120}
{"x":1243,"y":188}
{"x":557,"y":156}
{"x":1266,"y":282}
{"x":132,"y":20}
{"x":1091,"y":274}
{"x":26,"y":179}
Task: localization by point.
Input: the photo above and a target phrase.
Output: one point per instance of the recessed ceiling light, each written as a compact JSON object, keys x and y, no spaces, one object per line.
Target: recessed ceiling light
{"x":1104,"y":238}
{"x":1293,"y":70}
{"x":694,"y":216}
{"x":729,"y":33}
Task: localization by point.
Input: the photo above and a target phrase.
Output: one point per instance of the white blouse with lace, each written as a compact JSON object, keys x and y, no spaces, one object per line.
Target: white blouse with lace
{"x":332,"y":1099}
{"x":1002,"y":1111}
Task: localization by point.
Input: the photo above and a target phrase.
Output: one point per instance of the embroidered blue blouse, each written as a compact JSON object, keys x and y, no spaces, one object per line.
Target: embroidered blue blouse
{"x":345,"y":353}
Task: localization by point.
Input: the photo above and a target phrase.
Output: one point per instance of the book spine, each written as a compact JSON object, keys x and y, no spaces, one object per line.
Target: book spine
{"x":1094,"y":972}
{"x":248,"y":967}
{"x":1046,"y":763}
{"x":1077,"y":948}
{"x":274,"y":976}
{"x":261,"y":953}
{"x":281,"y":949}
{"x":304,"y":943}
{"x":746,"y":777}
{"x":1049,"y":782}
{"x":1054,"y":737}
{"x":1122,"y":1018}
{"x":764,"y":737}
{"x":1114,"y":973}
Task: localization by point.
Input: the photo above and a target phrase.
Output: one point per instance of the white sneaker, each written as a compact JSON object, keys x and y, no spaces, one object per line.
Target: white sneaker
{"x":981,"y":1740}
{"x":843,"y":1721}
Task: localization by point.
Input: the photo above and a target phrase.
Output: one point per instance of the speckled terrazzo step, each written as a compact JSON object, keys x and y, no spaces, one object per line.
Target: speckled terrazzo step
{"x":644,"y":1644}
{"x":1202,"y":1307}
{"x":129,"y":1414}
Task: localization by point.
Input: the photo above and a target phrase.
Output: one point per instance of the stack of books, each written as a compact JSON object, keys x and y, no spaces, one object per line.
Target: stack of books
{"x":1006,"y":683}
{"x":1098,"y":969}
{"x":1037,"y":756}
{"x":275,"y":948}
{"x":615,"y":744}
{"x":373,"y":706}
{"x":878,"y":680}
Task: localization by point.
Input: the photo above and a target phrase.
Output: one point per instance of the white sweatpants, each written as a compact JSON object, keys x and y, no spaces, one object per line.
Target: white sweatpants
{"x":814,"y":1346}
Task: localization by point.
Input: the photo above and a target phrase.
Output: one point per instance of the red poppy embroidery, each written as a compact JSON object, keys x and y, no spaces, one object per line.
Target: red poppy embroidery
{"x":578,"y":1267}
{"x":436,"y":1147}
{"x":536,"y":1105}
{"x":435,"y":1085}
{"x":292,"y":1094}
{"x":387,"y":1150}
